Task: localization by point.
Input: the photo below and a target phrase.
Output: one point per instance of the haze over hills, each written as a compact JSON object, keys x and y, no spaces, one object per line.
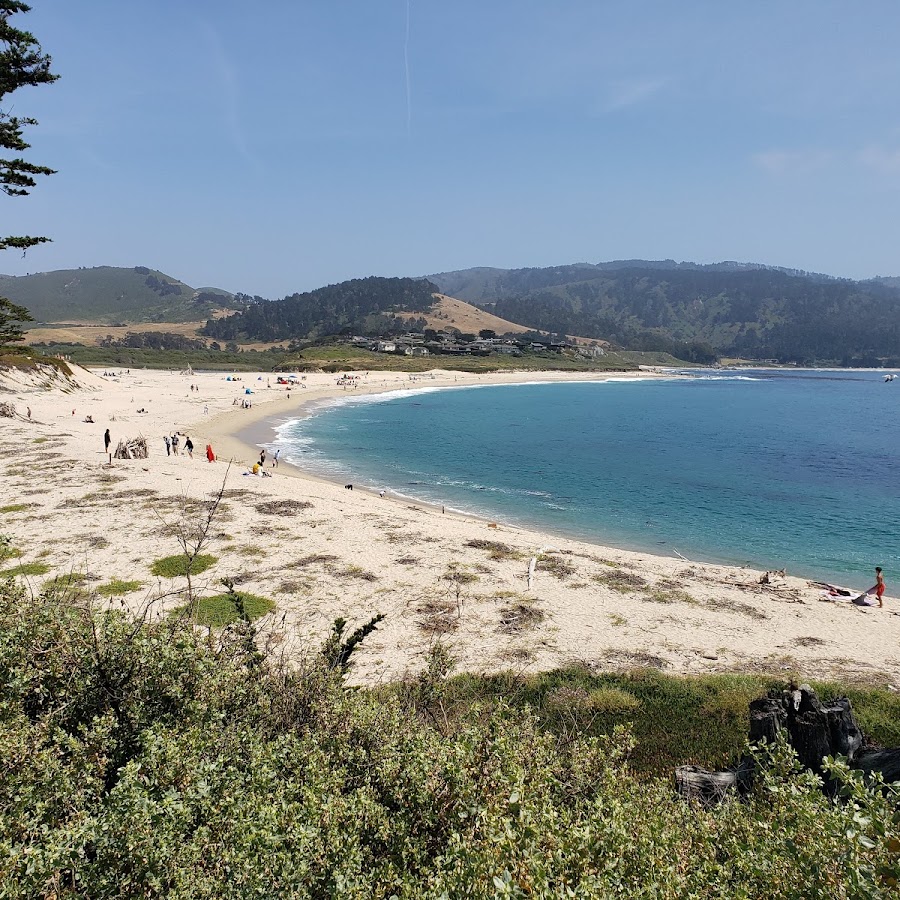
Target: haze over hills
{"x":111,"y":295}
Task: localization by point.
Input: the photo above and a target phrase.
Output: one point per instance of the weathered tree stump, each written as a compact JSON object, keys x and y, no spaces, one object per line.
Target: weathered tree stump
{"x":814,"y":729}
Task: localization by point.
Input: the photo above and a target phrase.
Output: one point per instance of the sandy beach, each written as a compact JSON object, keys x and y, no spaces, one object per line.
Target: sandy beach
{"x":320,"y":551}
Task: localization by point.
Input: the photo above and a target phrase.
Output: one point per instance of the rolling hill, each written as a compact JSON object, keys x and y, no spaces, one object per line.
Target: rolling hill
{"x":732,"y":309}
{"x":111,"y":295}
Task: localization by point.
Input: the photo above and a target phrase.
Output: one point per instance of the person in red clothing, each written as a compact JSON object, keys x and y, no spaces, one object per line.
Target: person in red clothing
{"x":879,"y":585}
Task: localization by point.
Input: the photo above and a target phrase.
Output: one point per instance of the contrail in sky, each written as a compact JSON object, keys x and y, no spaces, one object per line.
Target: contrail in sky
{"x":406,"y":62}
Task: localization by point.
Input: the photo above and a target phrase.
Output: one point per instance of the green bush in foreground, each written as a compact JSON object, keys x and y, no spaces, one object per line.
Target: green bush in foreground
{"x":177,"y":566}
{"x":148,"y":761}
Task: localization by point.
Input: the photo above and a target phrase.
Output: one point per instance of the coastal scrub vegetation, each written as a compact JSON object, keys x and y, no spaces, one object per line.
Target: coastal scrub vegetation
{"x":144,"y":760}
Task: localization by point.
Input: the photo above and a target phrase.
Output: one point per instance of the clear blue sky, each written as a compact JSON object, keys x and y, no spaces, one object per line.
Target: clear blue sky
{"x":282,"y":145}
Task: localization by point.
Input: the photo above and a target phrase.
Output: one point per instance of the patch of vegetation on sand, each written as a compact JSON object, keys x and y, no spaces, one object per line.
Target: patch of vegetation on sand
{"x":28,"y":569}
{"x":177,"y":566}
{"x":557,"y":566}
{"x":14,"y":508}
{"x":519,"y":616}
{"x":497,"y":549}
{"x":117,"y":587}
{"x":221,"y":609}
{"x":623,"y":582}
{"x":283,"y":507}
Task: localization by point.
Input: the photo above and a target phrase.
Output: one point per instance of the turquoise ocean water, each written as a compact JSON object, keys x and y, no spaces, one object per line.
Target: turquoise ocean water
{"x":795,"y":469}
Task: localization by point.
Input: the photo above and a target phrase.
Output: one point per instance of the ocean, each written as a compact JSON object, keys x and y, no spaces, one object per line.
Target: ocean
{"x":794,"y":469}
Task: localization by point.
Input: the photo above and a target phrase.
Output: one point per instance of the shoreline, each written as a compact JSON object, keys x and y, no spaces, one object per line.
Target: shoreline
{"x":263,"y":422}
{"x":499,"y":595}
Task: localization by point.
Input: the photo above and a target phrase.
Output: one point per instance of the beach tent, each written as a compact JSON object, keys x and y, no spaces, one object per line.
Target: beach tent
{"x":247,"y":391}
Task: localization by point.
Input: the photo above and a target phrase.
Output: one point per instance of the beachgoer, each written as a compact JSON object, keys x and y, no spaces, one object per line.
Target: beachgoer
{"x":175,"y":444}
{"x":275,"y":459}
{"x":106,"y":440}
{"x":205,"y":409}
{"x":189,"y":446}
{"x":262,"y":457}
{"x":28,"y":411}
{"x":168,"y":445}
{"x":255,"y":469}
{"x":879,"y":585}
{"x":210,"y":456}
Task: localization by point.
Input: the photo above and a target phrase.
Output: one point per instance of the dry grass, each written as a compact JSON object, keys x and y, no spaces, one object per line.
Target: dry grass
{"x":283,"y":507}
{"x":556,"y":566}
{"x":357,"y":572}
{"x":519,"y":616}
{"x":497,"y":549}
{"x":623,"y":582}
{"x":669,"y":596}
{"x":809,"y":642}
{"x":437,"y":616}
{"x":313,"y":560}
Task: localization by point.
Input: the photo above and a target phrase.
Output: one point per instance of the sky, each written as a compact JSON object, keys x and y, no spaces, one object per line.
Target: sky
{"x":283,"y":145}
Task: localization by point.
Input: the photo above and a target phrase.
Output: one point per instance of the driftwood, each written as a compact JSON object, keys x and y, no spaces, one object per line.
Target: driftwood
{"x":813,"y":728}
{"x":136,"y":448}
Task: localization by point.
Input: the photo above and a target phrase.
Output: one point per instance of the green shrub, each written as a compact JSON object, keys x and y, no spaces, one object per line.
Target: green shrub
{"x":177,"y":566}
{"x":146,"y":760}
{"x":14,"y":508}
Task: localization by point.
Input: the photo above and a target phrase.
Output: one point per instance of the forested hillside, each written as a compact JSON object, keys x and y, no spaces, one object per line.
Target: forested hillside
{"x":363,"y":305}
{"x":749,"y":311}
{"x":110,"y":295}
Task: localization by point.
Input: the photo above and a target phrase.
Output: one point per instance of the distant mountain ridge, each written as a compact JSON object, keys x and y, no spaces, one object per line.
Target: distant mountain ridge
{"x":111,"y":295}
{"x":694,"y":311}
{"x":732,"y":309}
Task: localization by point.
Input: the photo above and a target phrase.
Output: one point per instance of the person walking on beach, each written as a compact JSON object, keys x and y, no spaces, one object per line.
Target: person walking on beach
{"x":262,"y":457}
{"x":168,"y":445}
{"x":189,"y":446}
{"x":275,"y":459}
{"x":879,"y":586}
{"x":106,"y":440}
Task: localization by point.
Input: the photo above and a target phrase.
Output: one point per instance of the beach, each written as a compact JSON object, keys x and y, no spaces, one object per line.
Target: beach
{"x":501,"y":597}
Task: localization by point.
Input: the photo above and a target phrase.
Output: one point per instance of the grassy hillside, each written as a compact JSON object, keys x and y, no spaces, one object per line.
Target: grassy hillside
{"x":111,"y":295}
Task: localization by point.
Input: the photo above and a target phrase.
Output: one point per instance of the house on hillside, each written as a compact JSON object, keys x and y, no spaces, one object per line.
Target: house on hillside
{"x":386,"y":346}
